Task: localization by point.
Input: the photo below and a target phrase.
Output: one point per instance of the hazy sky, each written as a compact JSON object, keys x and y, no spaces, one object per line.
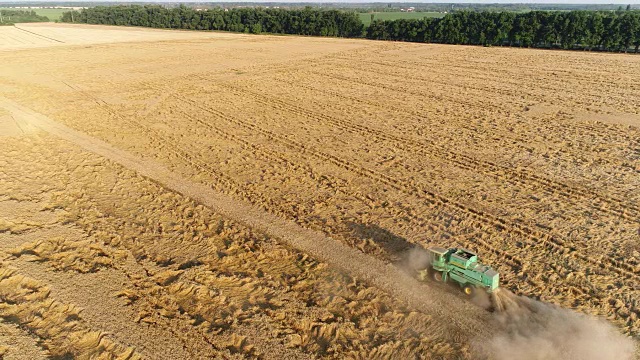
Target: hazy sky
{"x":368,"y":1}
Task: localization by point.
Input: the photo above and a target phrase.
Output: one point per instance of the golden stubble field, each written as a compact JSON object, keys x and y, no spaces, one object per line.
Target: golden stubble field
{"x":530,"y":157}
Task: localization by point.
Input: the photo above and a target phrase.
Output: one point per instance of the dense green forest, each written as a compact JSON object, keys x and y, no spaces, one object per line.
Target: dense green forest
{"x":348,"y":6}
{"x":9,"y":17}
{"x":306,"y":21}
{"x":590,"y":30}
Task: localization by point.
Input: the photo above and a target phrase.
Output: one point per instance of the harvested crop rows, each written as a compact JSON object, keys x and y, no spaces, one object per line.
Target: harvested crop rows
{"x":530,"y":157}
{"x":200,"y":284}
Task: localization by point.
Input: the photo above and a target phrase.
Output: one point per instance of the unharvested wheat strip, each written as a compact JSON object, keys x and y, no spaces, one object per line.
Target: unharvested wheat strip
{"x":452,"y":311}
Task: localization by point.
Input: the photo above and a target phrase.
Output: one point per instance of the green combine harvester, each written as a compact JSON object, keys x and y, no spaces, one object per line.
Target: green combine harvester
{"x":461,"y":266}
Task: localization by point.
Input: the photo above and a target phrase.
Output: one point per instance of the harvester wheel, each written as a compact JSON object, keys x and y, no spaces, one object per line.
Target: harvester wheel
{"x":437,"y":276}
{"x":469,"y":290}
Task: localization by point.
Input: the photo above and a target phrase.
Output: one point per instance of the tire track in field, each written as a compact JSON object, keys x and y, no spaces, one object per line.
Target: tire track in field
{"x":36,"y":34}
{"x":497,"y":68}
{"x":297,"y":64}
{"x":596,"y":70}
{"x":436,"y":97}
{"x":455,"y":315}
{"x":590,"y":129}
{"x":511,"y":94}
{"x":482,"y":166}
{"x":441,"y":83}
{"x":462,"y":125}
{"x":478,"y":75}
{"x":307,"y":171}
{"x":270,"y":155}
{"x":223,"y":180}
{"x":515,"y":140}
{"x":219,"y":179}
{"x":564,"y":189}
{"x":536,"y":237}
{"x":453,"y":104}
{"x":226,"y":182}
{"x":458,"y":159}
{"x":345,"y":165}
{"x":514,"y":262}
{"x":465,"y":86}
{"x":479,"y":106}
{"x":511,"y":260}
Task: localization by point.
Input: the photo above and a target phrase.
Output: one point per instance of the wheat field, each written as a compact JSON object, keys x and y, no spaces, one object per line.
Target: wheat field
{"x":529,"y":157}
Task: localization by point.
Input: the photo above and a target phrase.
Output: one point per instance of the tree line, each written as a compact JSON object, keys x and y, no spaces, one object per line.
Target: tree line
{"x":305,"y":21}
{"x":9,"y":17}
{"x":589,"y":30}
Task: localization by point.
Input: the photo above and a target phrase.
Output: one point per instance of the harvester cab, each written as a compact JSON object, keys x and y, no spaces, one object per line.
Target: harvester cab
{"x":461,"y":266}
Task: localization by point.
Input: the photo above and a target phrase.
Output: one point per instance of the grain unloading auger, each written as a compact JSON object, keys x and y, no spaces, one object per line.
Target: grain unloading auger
{"x":461,"y":266}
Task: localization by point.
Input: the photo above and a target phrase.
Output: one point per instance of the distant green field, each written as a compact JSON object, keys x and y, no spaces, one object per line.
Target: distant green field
{"x":52,"y":14}
{"x":366,"y":17}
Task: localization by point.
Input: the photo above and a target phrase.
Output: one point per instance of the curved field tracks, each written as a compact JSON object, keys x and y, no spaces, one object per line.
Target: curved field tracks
{"x":530,"y":157}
